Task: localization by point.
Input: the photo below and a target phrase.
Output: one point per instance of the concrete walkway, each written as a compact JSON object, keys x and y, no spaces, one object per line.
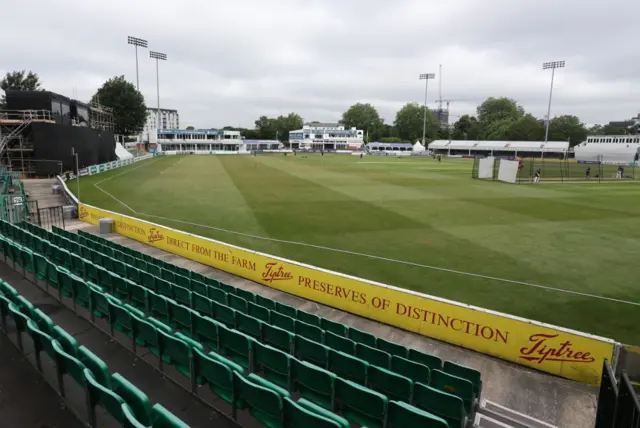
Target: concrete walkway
{"x":557,"y":401}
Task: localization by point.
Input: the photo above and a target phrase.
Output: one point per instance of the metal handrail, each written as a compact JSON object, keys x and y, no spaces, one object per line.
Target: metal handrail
{"x":26,"y":115}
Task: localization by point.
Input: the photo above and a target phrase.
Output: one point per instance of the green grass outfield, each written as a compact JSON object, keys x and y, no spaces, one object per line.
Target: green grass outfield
{"x":577,"y":237}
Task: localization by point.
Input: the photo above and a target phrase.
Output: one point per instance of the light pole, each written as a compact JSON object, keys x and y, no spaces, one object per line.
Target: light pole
{"x":545,"y":66}
{"x":158,"y":56}
{"x":426,"y":77}
{"x":143,"y":44}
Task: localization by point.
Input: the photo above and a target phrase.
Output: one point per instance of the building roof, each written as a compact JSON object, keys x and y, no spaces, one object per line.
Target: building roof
{"x":525,"y":146}
{"x":376,"y":144}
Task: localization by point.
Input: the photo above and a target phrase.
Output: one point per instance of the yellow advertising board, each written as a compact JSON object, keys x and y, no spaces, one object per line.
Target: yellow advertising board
{"x":543,"y":347}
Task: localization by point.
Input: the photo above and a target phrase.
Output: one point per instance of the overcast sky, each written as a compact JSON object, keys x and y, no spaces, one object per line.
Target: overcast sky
{"x":232,"y":61}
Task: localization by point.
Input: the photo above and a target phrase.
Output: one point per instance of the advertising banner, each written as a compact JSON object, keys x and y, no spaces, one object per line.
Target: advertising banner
{"x":555,"y":350}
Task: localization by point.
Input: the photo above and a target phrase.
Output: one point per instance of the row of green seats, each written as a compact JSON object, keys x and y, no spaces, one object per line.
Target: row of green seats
{"x":370,"y":355}
{"x":119,"y":397}
{"x":338,"y":335}
{"x":266,"y":401}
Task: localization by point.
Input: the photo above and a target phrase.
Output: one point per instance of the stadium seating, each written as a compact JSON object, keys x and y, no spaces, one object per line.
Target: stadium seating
{"x":258,"y":351}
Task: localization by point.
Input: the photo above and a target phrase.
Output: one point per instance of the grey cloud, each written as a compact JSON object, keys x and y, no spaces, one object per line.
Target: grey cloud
{"x":234,"y":61}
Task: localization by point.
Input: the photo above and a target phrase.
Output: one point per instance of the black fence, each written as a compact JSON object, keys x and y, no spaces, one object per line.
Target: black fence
{"x":618,"y":403}
{"x":46,"y":217}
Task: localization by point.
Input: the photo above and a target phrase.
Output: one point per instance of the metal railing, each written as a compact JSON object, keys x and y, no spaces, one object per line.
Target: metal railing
{"x":618,"y":403}
{"x":23,"y":115}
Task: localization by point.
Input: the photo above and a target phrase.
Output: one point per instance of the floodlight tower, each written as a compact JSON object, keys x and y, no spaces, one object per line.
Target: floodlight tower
{"x":163,"y":57}
{"x":426,"y":77}
{"x":143,"y":44}
{"x":545,"y":66}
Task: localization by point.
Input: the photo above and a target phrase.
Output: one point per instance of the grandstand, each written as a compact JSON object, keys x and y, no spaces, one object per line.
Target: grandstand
{"x":612,"y":149}
{"x":556,"y":149}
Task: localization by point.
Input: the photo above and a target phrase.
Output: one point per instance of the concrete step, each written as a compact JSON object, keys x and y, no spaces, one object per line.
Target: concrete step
{"x":484,"y":421}
{"x":41,"y":190}
{"x":492,"y":413}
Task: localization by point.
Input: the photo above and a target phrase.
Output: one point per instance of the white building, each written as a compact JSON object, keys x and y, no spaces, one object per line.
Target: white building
{"x":196,"y":140}
{"x":614,"y":149}
{"x":169,"y":119}
{"x":326,"y":136}
{"x":500,"y":148}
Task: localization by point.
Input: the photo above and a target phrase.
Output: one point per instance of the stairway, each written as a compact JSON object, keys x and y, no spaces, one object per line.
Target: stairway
{"x":492,"y":415}
{"x":40,"y":190}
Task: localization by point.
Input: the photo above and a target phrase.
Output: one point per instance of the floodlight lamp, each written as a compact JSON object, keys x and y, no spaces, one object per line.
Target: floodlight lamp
{"x":553,"y":64}
{"x":137,"y":42}
{"x":426,"y":76}
{"x":158,"y":55}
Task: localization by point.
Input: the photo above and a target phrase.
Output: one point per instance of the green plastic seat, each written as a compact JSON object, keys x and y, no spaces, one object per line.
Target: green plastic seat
{"x":168,"y":275}
{"x":120,"y":268}
{"x":202,"y":304}
{"x":25,"y":306}
{"x":40,"y":339}
{"x":205,"y":329}
{"x":439,"y":403}
{"x":348,"y":367}
{"x":266,"y":302}
{"x":108,"y":399}
{"x":263,"y":403}
{"x":283,"y":321}
{"x":162,"y":418}
{"x":454,"y":385}
{"x":40,"y":266}
{"x":69,"y":364}
{"x":431,"y":361}
{"x":340,"y":343}
{"x":297,"y":416}
{"x":139,"y":297}
{"x":309,"y":331}
{"x":91,"y":271}
{"x":391,"y":384}
{"x":183,"y":281}
{"x":189,"y":341}
{"x":99,"y":302}
{"x":237,"y":303}
{"x":77,"y":265}
{"x":287,"y":310}
{"x":308,"y":405}
{"x":121,"y":287}
{"x":181,"y":317}
{"x":373,"y":356}
{"x":259,"y":312}
{"x":136,"y":399}
{"x":130,"y":420}
{"x":154,"y":270}
{"x":133,"y":274}
{"x":141,"y":265}
{"x":105,"y":279}
{"x":81,"y":292}
{"x":176,"y":352}
{"x":147,"y":334}
{"x":199,"y":287}
{"x":237,"y":347}
{"x":212,"y":281}
{"x":274,"y":365}
{"x":164,"y":288}
{"x":363,"y":337}
{"x":218,"y":295}
{"x":403,"y":415}
{"x":247,"y":295}
{"x":182,"y":295}
{"x":68,"y":342}
{"x":309,"y":318}
{"x":313,"y":383}
{"x":217,"y":375}
{"x":392,"y":348}
{"x":159,"y":307}
{"x":278,"y":338}
{"x":360,"y":405}
{"x":224,"y":314}
{"x":415,"y":371}
{"x":472,"y":375}
{"x":8,"y":290}
{"x":148,"y":281}
{"x":97,"y":367}
{"x":313,"y":352}
{"x":121,"y":319}
{"x":64,"y":281}
{"x":249,"y":325}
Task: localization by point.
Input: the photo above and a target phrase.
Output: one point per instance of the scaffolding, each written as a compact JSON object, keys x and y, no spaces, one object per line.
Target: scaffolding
{"x":100,"y":117}
{"x":16,"y":143}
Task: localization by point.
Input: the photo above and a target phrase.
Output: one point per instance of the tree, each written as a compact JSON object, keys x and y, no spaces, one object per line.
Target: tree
{"x":189,"y":128}
{"x":129,"y":109}
{"x":365,"y":117}
{"x":527,"y":128}
{"x":285,"y":124}
{"x":610,"y":129}
{"x":266,"y":128}
{"x":567,"y":128}
{"x":21,"y":81}
{"x":387,"y":131}
{"x":466,"y":128}
{"x":595,"y":130}
{"x":409,"y":123}
{"x":498,"y":109}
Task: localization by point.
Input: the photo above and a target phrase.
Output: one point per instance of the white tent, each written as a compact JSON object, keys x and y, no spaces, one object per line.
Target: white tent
{"x":417,"y":147}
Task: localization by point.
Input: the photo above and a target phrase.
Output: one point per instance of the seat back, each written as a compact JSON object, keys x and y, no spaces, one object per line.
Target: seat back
{"x":362,"y":337}
{"x":360,"y":405}
{"x":391,"y":384}
{"x":278,"y":338}
{"x":415,"y":371}
{"x":205,"y":329}
{"x":274,"y":364}
{"x":454,"y":385}
{"x":162,"y":418}
{"x":472,"y":375}
{"x":334,"y":327}
{"x":296,"y":416}
{"x":237,"y":346}
{"x":136,"y":399}
{"x":249,"y":325}
{"x":447,"y":406}
{"x":263,"y":403}
{"x":392,"y":348}
{"x":210,"y":371}
{"x":373,"y":356}
{"x":259,"y":312}
{"x":314,"y":352}
{"x":309,"y":331}
{"x":431,"y":361}
{"x":313,"y":383}
{"x":348,"y":367}
{"x":403,"y":415}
